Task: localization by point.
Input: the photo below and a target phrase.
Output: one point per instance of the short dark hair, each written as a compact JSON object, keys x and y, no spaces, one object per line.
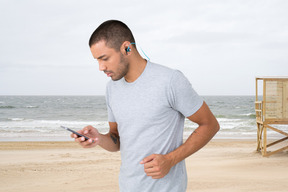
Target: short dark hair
{"x":113,"y":32}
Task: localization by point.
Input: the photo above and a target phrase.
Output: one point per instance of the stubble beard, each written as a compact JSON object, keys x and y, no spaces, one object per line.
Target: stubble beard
{"x":122,"y":70}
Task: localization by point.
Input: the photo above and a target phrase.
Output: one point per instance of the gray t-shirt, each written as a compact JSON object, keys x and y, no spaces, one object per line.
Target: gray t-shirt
{"x":150,"y":114}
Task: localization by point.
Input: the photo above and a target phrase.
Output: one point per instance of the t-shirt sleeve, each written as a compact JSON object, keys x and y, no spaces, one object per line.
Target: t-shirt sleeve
{"x":182,"y":97}
{"x":111,"y":117}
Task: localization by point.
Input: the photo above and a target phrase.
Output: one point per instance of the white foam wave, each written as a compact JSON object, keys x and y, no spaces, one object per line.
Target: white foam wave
{"x":45,"y":128}
{"x":31,"y":106}
{"x":229,"y":128}
{"x":16,"y":119}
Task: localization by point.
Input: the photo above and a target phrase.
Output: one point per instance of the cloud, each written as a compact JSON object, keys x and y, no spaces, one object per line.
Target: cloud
{"x":224,"y":40}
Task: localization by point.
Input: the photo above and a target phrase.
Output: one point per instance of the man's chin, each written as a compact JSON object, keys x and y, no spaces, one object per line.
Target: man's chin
{"x":116,"y":79}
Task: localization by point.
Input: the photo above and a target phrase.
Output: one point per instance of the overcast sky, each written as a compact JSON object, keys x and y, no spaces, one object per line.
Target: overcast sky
{"x":221,"y":46}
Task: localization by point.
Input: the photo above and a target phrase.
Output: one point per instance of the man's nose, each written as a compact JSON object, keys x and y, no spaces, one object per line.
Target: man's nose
{"x":102,"y":67}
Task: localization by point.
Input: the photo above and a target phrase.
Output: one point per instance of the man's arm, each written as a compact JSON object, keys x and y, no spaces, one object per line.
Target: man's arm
{"x":109,"y":141}
{"x":157,"y":166}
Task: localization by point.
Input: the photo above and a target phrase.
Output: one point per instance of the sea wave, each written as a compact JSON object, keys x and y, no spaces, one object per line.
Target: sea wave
{"x":237,"y":116}
{"x":31,"y":106}
{"x":38,"y":117}
{"x":229,"y":125}
{"x":15,"y":119}
{"x":20,"y":124}
{"x":252,"y":115}
{"x":7,"y":107}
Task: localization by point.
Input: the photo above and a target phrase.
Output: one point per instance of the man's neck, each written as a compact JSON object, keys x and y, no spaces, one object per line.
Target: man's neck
{"x":136,"y":68}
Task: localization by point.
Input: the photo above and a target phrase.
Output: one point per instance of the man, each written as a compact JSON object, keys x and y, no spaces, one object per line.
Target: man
{"x":147,"y":104}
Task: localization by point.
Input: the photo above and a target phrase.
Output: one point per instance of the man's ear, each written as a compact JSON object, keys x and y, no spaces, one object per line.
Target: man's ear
{"x":125,"y":48}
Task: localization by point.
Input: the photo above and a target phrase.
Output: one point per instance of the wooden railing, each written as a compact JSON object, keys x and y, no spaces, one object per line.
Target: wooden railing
{"x":259,"y":111}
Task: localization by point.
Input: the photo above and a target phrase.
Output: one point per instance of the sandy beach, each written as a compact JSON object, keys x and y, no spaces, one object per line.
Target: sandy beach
{"x":223,"y":165}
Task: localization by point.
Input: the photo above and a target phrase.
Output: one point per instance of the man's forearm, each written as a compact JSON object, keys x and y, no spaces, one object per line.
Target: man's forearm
{"x":208,"y":127}
{"x":110,"y":142}
{"x":198,"y":139}
{"x":158,"y":165}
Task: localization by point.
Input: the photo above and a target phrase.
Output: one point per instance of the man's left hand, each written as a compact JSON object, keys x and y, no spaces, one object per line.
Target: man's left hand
{"x":157,"y":165}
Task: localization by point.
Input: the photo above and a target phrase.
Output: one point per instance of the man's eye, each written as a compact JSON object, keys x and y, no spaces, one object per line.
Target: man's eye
{"x":105,"y":59}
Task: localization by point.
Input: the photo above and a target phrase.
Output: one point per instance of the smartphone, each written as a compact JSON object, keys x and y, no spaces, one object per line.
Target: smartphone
{"x":78,"y":134}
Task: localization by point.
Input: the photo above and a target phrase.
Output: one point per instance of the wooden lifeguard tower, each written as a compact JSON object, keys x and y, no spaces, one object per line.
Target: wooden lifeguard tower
{"x":271,"y":112}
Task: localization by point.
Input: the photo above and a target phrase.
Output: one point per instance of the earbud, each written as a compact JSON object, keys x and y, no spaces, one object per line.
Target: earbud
{"x":128,"y":49}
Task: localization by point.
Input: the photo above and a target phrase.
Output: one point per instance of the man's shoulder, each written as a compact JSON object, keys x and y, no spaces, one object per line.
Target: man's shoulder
{"x":162,"y":68}
{"x":162,"y":71}
{"x":165,"y":72}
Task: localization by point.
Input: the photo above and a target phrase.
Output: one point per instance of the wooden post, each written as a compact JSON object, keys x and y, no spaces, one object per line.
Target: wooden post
{"x":264,"y":100}
{"x":264,"y":152}
{"x":256,"y":89}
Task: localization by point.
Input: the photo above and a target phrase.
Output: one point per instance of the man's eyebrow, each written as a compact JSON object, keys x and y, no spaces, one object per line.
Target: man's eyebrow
{"x":101,"y":57}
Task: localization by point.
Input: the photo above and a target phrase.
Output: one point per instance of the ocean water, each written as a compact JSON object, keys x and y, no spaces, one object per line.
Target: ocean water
{"x":38,"y":118}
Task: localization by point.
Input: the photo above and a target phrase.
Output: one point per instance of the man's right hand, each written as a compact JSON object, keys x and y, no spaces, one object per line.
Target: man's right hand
{"x":90,"y":132}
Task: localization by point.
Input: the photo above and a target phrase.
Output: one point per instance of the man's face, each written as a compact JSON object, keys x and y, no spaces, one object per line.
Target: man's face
{"x":112,"y":63}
